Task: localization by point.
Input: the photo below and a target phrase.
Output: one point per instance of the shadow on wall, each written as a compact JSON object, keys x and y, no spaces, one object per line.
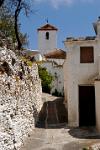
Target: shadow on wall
{"x":53,"y":114}
{"x":35,"y":113}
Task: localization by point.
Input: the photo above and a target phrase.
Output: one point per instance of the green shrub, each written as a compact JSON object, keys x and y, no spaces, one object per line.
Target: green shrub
{"x":27,"y":61}
{"x":85,"y":148}
{"x":56,"y":93}
{"x":46,"y":79}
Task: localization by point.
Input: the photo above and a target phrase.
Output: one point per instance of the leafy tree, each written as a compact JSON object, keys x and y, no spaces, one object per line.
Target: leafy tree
{"x":7,"y":26}
{"x":46,"y":79}
{"x":7,"y":23}
{"x":16,"y":6}
{"x":19,"y":4}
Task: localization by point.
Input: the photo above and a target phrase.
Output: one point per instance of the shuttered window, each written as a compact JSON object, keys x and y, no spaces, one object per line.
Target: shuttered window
{"x":86,"y":54}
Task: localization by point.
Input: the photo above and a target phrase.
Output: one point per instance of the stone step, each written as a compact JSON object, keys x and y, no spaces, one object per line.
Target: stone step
{"x":52,"y":115}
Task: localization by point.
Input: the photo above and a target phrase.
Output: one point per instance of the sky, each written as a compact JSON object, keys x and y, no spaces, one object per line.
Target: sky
{"x":73,"y":18}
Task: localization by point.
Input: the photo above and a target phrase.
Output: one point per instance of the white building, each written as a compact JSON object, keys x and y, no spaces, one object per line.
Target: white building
{"x":47,"y":38}
{"x":54,"y":63}
{"x":47,"y":45}
{"x":82,"y":79}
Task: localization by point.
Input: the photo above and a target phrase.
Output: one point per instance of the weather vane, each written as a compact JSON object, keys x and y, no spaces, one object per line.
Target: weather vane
{"x":47,"y":20}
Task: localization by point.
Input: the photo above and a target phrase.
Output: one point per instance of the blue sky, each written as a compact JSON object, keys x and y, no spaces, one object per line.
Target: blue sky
{"x":72,"y":17}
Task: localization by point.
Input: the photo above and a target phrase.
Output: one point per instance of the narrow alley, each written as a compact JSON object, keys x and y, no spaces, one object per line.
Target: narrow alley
{"x":52,"y":132}
{"x":61,"y":139}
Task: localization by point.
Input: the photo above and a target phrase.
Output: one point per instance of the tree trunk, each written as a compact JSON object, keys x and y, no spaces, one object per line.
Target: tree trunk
{"x":17,"y":32}
{"x":16,"y":24}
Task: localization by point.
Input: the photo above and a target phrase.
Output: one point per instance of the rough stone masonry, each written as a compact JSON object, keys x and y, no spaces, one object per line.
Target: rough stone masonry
{"x":20,"y":99}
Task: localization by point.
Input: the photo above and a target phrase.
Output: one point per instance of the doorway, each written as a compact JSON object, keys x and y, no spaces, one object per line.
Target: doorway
{"x":86,"y":106}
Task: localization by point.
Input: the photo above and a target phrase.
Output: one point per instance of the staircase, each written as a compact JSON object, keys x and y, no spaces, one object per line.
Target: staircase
{"x":53,"y":114}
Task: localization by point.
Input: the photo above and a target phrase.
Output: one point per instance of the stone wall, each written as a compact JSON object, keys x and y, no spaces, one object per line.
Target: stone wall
{"x":20,"y":99}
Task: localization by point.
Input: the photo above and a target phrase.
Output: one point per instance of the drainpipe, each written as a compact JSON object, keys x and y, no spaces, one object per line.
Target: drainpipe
{"x":99,"y":64}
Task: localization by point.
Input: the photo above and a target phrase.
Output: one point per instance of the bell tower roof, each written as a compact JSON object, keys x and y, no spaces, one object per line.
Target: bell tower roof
{"x":47,"y":27}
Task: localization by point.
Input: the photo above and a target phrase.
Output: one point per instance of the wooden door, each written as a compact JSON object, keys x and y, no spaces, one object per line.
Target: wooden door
{"x":86,"y":106}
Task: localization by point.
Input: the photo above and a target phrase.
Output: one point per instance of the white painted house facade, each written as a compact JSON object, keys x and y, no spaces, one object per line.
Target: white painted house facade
{"x":47,"y":44}
{"x":81,"y":80}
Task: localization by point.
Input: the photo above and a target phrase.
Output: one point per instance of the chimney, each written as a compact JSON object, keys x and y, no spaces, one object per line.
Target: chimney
{"x":96,"y":26}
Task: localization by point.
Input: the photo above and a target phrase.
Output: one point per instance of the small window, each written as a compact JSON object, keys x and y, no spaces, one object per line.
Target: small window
{"x":47,"y":35}
{"x":86,"y":54}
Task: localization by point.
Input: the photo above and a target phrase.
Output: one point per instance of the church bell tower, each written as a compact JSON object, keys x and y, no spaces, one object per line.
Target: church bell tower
{"x":47,"y":38}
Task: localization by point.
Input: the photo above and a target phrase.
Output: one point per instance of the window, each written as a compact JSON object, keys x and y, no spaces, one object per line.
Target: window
{"x":86,"y":54}
{"x":47,"y":35}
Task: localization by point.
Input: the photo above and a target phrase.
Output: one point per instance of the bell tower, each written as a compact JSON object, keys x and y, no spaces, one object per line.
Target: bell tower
{"x":47,"y":38}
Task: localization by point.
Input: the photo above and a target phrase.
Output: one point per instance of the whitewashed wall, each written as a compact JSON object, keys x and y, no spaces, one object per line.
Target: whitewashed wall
{"x":97,"y":93}
{"x":76,"y":73}
{"x":58,"y":78}
{"x":45,"y":45}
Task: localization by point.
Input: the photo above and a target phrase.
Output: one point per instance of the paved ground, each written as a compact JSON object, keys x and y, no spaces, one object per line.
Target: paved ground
{"x":60,"y":139}
{"x":63,"y":138}
{"x":53,"y":111}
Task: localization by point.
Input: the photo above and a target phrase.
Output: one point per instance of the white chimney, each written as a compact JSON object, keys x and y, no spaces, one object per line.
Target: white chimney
{"x":96,"y":26}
